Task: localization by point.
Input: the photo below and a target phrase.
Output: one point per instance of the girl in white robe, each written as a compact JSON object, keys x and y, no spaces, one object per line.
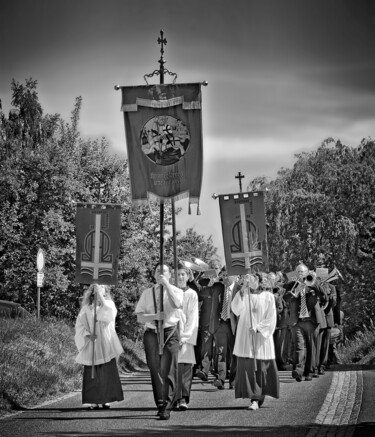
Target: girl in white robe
{"x":257,"y":374}
{"x":188,"y":338}
{"x":101,"y":385}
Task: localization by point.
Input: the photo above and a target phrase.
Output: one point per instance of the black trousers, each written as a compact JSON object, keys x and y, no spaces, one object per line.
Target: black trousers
{"x":163,"y":368}
{"x":185,"y":379}
{"x":224,"y":345}
{"x":305,"y":335}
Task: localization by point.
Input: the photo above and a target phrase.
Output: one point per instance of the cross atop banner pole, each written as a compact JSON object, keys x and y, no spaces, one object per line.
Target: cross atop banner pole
{"x":239,"y":177}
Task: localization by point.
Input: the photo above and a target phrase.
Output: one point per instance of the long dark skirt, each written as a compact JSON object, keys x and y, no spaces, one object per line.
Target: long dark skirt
{"x":105,"y":387}
{"x":255,"y":384}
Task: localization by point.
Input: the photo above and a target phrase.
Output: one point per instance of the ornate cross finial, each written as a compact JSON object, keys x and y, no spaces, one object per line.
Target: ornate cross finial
{"x":162,"y":41}
{"x":239,"y":177}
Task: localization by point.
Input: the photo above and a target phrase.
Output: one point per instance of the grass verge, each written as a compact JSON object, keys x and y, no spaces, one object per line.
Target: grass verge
{"x":360,"y":348}
{"x":37,"y":361}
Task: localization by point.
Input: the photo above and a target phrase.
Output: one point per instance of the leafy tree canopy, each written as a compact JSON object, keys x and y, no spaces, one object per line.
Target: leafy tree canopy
{"x":46,"y":168}
{"x":322,"y":211}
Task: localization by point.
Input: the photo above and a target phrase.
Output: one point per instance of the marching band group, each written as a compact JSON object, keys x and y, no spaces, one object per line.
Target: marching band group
{"x":240,"y":329}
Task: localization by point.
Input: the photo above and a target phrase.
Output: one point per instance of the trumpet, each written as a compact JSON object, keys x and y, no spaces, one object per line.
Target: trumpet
{"x":310,"y":279}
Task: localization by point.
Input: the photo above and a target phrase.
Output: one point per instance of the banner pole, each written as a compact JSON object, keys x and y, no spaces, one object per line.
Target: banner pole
{"x":93,"y":343}
{"x":174,"y":242}
{"x":161,"y":41}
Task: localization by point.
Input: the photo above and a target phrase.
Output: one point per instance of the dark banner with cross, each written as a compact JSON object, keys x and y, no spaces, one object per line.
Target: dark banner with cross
{"x":98,"y":228}
{"x":243,"y":224}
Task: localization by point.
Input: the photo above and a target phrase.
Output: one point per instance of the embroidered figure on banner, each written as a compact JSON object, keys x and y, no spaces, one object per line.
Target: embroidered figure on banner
{"x":247,"y":249}
{"x":165,"y":139}
{"x":96,"y":260}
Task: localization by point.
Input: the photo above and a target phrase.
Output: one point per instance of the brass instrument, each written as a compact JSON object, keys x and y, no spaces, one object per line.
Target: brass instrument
{"x":310,"y":279}
{"x":191,"y":266}
{"x":204,"y":266}
{"x":335,"y":274}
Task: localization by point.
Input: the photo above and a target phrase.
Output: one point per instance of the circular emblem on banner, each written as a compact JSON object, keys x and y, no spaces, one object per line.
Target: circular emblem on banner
{"x":165,"y":139}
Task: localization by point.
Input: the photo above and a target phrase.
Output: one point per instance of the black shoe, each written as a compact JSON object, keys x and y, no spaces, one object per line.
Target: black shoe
{"x":315,"y":375}
{"x":231,"y":386}
{"x":321,"y":372}
{"x":106,"y":406}
{"x":201,"y":375}
{"x":164,"y":415}
{"x":219,"y":384}
{"x":296,"y":376}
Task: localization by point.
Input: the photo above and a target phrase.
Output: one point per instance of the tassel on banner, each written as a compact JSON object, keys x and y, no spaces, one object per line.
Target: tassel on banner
{"x":153,"y":213}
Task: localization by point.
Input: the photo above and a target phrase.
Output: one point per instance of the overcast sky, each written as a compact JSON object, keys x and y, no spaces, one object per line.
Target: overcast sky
{"x":283,"y":75}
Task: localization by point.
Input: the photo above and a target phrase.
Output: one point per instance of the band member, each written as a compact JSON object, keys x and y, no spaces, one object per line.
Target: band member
{"x":210,"y":296}
{"x":188,"y":337}
{"x":101,"y":385}
{"x":337,"y":332}
{"x":304,"y":296}
{"x":163,"y":367}
{"x":257,"y":374}
{"x":325,"y":337}
{"x":280,"y":335}
{"x":224,"y":360}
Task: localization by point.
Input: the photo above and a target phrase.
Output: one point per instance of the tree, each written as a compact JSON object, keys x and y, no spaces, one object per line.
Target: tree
{"x":45,"y":169}
{"x":323,"y":208}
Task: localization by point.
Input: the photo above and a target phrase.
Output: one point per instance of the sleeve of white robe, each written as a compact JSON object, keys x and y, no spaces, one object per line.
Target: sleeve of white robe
{"x":267,"y":324}
{"x":238,"y":304}
{"x":190,"y":331}
{"x":82,"y":330}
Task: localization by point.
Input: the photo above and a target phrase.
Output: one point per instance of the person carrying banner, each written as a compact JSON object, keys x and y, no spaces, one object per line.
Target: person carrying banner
{"x":101,"y":385}
{"x":188,"y":338}
{"x":163,"y":367}
{"x":257,"y":374}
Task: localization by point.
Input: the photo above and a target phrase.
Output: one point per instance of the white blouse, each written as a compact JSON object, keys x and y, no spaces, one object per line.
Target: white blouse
{"x":107,"y":344}
{"x":262,"y":317}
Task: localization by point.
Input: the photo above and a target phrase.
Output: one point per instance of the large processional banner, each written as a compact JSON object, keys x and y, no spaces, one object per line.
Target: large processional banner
{"x":98,"y":228}
{"x":163,"y":126}
{"x":244,"y":232}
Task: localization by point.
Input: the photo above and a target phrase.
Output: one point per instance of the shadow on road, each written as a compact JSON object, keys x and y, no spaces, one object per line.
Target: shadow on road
{"x":361,"y":430}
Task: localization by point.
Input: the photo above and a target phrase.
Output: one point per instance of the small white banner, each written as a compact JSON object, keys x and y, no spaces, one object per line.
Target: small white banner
{"x":40,"y":279}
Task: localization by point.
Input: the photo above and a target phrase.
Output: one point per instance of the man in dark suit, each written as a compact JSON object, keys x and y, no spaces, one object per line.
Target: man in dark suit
{"x":304,"y":296}
{"x":281,"y":331}
{"x":325,"y":332}
{"x":210,"y":297}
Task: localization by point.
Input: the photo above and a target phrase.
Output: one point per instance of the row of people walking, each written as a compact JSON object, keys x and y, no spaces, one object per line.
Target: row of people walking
{"x":199,"y":330}
{"x":225,"y":325}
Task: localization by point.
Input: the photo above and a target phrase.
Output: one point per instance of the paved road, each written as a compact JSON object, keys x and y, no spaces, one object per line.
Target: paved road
{"x":340,"y":403}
